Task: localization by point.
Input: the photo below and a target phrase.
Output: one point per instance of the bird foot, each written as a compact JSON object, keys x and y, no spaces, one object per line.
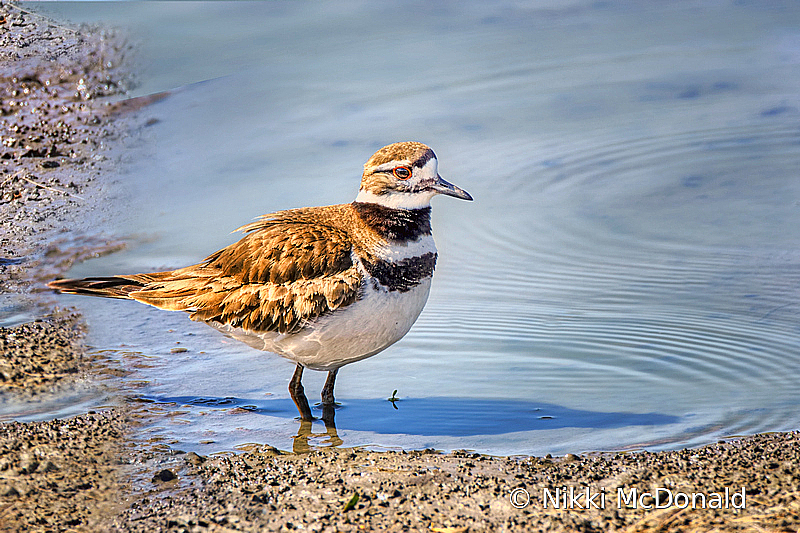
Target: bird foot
{"x":320,"y":405}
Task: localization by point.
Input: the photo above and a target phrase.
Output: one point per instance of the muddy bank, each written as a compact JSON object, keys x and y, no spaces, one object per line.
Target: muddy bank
{"x":89,"y":473}
{"x":56,"y":83}
{"x":55,"y":124}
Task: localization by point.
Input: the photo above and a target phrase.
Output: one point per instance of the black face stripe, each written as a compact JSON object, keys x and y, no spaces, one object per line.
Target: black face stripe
{"x":424,"y":158}
{"x":395,"y":224}
{"x":405,"y":274}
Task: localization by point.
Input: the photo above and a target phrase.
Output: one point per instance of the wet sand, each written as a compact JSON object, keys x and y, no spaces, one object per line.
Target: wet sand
{"x":87,"y":473}
{"x":55,"y":126}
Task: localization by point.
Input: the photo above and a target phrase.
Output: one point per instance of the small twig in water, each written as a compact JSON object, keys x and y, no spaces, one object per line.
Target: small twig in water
{"x":11,"y":177}
{"x":49,"y":22}
{"x":394,"y":398}
{"x":18,"y":174}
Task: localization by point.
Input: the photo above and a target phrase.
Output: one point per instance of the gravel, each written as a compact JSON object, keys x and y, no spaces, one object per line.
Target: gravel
{"x":264,"y":489}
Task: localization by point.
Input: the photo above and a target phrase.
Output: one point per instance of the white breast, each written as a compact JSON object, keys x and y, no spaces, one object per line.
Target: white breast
{"x":375,"y":321}
{"x":349,"y":334}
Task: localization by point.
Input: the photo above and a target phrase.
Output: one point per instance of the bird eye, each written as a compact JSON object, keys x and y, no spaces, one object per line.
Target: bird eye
{"x":402,"y":173}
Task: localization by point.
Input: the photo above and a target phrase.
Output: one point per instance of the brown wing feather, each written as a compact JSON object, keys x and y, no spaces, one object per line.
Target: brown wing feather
{"x":108,"y":287}
{"x":291,"y":267}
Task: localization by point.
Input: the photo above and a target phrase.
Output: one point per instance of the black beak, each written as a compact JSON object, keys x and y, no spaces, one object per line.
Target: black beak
{"x":445,"y":187}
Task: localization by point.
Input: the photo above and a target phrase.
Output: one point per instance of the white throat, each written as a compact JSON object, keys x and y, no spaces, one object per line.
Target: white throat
{"x":397,"y":200}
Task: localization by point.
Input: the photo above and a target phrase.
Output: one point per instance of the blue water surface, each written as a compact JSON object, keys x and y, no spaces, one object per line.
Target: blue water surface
{"x":630,"y":267}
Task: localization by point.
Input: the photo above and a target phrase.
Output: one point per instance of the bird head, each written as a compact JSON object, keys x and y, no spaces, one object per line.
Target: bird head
{"x":405,"y":175}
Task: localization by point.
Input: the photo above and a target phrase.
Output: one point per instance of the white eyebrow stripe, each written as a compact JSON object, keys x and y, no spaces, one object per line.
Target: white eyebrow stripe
{"x":391,"y":165}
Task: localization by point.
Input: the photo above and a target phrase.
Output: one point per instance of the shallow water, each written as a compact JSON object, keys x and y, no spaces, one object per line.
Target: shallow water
{"x":626,"y":278}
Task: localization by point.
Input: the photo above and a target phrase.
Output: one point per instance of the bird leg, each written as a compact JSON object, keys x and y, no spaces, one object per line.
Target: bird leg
{"x":298,"y":394}
{"x":328,"y":402}
{"x":327,"y":390}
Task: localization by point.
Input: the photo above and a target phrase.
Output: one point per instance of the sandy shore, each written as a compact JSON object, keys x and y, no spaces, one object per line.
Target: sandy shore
{"x":87,"y":473}
{"x":352,"y":490}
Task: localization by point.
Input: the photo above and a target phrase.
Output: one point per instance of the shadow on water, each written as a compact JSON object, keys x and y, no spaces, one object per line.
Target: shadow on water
{"x":440,"y":416}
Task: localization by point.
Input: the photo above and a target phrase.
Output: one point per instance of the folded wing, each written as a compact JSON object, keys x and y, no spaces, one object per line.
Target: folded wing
{"x":291,"y":267}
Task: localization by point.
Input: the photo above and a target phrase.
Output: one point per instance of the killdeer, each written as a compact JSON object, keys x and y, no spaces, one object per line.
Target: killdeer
{"x":321,"y":286}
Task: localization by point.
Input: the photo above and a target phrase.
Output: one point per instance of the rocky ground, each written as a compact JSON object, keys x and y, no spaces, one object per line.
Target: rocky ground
{"x":352,"y":490}
{"x":87,"y":473}
{"x":55,"y":125}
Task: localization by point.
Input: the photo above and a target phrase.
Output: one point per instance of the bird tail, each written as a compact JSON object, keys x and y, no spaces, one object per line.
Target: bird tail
{"x":164,"y":290}
{"x":107,"y":287}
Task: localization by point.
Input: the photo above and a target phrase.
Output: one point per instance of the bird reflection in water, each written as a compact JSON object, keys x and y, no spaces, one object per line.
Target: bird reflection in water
{"x":307,"y":441}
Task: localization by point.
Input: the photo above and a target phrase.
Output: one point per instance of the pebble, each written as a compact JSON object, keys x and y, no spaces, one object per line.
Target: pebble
{"x":165,"y":475}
